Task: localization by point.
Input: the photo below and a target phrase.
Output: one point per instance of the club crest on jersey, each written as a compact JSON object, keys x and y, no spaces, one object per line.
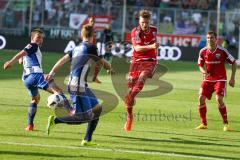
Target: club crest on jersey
{"x":218,"y":55}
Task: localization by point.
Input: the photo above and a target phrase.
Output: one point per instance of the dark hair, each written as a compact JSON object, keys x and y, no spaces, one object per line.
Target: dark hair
{"x":212,"y":33}
{"x":87,"y":31}
{"x":145,"y":14}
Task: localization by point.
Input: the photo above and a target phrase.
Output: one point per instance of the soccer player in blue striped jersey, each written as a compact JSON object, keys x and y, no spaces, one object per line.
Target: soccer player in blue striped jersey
{"x":33,"y":76}
{"x":87,"y":106}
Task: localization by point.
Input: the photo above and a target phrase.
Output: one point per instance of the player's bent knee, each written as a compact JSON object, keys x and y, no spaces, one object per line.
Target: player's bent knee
{"x":219,"y":100}
{"x":202,"y":100}
{"x":97,"y":110}
{"x":35,"y":99}
{"x":142,"y":77}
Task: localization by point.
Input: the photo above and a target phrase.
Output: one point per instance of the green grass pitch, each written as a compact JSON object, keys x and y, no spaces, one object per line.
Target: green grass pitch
{"x":154,"y":135}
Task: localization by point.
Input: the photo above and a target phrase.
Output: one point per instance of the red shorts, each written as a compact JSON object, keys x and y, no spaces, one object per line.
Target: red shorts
{"x":207,"y":88}
{"x":136,"y":68}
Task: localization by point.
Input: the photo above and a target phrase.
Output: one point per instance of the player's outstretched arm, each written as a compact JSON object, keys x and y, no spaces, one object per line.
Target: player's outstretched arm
{"x":232,"y":78}
{"x":107,"y":66}
{"x":139,"y":48}
{"x":57,"y":66}
{"x":18,"y":56}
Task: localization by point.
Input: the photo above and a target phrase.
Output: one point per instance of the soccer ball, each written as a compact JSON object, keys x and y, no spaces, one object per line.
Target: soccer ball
{"x":55,"y":100}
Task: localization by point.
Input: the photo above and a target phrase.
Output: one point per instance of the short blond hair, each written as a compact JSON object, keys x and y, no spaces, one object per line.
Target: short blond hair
{"x":145,"y":14}
{"x":87,"y":31}
{"x":36,"y":30}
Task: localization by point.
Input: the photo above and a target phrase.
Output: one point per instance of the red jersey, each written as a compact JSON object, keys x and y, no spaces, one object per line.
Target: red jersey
{"x":139,"y":37}
{"x":215,"y":63}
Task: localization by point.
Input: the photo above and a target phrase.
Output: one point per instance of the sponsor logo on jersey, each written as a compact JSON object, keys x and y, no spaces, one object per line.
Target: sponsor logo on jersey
{"x":213,"y":62}
{"x":146,"y":43}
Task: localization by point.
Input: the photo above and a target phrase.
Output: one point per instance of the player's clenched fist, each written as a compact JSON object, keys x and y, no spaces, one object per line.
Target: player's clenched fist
{"x":232,"y":82}
{"x":7,"y":65}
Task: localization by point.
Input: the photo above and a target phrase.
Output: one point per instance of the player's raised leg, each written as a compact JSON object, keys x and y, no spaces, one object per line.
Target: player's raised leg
{"x":129,"y":103}
{"x":50,"y":124}
{"x":53,"y":88}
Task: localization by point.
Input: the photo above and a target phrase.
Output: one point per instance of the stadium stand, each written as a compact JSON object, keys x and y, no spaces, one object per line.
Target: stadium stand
{"x":171,"y":16}
{"x":3,"y":4}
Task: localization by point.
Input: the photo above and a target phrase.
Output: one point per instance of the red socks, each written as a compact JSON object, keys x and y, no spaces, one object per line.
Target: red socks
{"x":223,"y":111}
{"x":129,"y":110}
{"x":202,"y":112}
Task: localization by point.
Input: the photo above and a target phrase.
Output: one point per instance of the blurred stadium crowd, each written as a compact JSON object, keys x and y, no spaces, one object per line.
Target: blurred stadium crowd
{"x":171,"y":16}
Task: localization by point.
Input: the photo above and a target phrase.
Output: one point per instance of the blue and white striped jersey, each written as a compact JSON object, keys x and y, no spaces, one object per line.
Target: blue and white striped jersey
{"x":32,"y":61}
{"x":82,"y":57}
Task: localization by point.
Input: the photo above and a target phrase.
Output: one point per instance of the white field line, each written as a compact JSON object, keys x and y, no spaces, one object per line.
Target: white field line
{"x":113,"y":150}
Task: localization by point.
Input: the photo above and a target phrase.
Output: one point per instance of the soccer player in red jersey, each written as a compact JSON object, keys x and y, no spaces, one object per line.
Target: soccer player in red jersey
{"x":143,"y":61}
{"x":91,"y":21}
{"x":211,"y":63}
{"x":98,"y":66}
